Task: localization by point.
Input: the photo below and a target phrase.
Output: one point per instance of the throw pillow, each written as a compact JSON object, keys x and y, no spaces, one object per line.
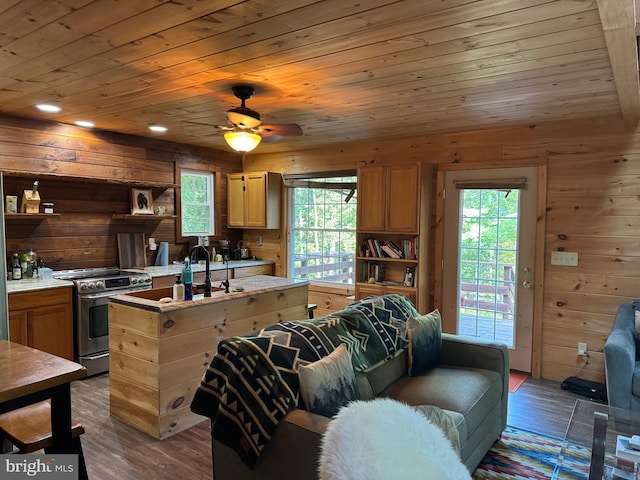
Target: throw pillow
{"x":425,"y":340}
{"x":329,"y":383}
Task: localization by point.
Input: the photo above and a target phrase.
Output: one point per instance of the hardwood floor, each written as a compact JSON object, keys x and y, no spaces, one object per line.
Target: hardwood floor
{"x":115,"y":451}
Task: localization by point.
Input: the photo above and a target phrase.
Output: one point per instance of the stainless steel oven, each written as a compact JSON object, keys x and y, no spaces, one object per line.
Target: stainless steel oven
{"x":93,"y":287}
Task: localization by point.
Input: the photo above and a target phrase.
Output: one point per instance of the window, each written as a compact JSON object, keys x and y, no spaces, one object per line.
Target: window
{"x":197,"y":204}
{"x":323,"y":228}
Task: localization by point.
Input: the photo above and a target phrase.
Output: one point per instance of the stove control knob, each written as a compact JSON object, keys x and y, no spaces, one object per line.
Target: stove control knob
{"x":92,"y":285}
{"x":147,"y":279}
{"x":84,"y":286}
{"x":134,"y":280}
{"x":100,"y":284}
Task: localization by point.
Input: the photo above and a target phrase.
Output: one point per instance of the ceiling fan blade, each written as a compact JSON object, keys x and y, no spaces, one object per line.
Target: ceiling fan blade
{"x":282,"y":130}
{"x":225,"y":128}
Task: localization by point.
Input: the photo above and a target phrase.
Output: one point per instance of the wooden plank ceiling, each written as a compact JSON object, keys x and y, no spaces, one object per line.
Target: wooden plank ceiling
{"x":344,"y":71}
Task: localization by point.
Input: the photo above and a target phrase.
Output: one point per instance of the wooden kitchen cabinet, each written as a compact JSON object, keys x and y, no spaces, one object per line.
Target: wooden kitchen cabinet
{"x":388,"y":199}
{"x":43,"y":320}
{"x":253,"y":200}
{"x":364,"y":290}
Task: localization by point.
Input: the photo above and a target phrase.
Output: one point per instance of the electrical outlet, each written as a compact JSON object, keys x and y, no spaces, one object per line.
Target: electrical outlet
{"x":564,"y":258}
{"x":582,"y":348}
{"x":258,"y":240}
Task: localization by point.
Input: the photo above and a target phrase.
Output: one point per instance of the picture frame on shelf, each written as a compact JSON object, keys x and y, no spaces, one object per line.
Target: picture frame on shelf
{"x":409,"y":277}
{"x":141,"y":201}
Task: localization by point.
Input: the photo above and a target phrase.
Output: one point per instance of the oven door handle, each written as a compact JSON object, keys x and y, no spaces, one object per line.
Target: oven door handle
{"x":92,"y":296}
{"x":96,"y":357}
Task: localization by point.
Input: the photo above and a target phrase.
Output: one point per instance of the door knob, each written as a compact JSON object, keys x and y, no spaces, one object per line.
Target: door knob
{"x":526,"y":284}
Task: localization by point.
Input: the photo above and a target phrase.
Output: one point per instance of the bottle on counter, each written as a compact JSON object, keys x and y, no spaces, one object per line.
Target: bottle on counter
{"x":187,"y":279}
{"x":16,"y":269}
{"x":32,"y":268}
{"x":24,"y":262}
{"x":178,"y":290}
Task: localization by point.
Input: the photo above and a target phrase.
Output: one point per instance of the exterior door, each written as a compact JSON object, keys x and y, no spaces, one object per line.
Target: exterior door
{"x":489,"y":257}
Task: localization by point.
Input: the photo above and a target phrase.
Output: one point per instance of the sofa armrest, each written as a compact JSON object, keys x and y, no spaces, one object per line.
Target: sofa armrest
{"x":620,"y":358}
{"x":292,"y":453}
{"x":467,"y":352}
{"x":475,"y":353}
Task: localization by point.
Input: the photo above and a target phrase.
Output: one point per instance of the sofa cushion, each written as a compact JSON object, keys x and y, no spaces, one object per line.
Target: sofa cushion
{"x":424,"y":334}
{"x":473,"y":392}
{"x":384,"y":374}
{"x":329,"y":383}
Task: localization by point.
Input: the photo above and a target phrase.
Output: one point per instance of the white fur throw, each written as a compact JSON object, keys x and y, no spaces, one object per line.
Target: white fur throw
{"x":383,"y":439}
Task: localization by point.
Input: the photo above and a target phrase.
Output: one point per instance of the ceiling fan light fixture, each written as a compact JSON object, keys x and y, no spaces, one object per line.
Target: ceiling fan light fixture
{"x":242,"y":141}
{"x":244,"y":116}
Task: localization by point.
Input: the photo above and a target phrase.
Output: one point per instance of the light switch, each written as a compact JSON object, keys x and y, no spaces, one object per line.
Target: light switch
{"x":564,"y":258}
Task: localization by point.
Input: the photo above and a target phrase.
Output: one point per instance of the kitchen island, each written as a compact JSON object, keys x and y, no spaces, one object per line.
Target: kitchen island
{"x":158,"y":352}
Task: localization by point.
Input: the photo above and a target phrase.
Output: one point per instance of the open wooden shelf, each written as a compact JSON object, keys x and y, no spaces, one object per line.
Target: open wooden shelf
{"x":28,"y":217}
{"x":141,"y":218}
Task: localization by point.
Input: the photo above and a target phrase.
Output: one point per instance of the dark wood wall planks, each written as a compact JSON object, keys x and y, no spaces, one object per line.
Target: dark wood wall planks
{"x":88,"y":176}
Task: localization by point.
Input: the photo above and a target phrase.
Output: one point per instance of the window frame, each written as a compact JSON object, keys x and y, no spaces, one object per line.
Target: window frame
{"x":306,"y":181}
{"x":217,"y":198}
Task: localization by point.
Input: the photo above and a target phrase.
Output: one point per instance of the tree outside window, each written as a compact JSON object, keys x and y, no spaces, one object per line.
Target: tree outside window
{"x":197,"y":203}
{"x":323,"y":229}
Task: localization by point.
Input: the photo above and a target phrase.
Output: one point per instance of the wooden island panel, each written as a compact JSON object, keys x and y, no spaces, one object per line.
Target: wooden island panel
{"x":158,"y":353}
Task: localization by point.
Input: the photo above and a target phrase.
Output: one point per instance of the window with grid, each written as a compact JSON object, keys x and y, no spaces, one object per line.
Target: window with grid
{"x":323,"y":228}
{"x":197,"y":203}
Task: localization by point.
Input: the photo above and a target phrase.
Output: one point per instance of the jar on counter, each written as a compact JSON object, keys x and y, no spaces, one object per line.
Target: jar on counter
{"x":48,"y":207}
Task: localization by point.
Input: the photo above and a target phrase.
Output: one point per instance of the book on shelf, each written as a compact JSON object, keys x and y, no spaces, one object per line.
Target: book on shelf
{"x":410,"y":248}
{"x":376,"y":248}
{"x":373,"y":270}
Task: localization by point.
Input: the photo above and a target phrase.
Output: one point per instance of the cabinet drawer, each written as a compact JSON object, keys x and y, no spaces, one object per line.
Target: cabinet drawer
{"x":39,"y":298}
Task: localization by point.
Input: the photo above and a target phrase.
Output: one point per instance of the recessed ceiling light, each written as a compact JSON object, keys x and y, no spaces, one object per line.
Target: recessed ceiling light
{"x":47,"y":107}
{"x":84,"y":123}
{"x":157,"y":128}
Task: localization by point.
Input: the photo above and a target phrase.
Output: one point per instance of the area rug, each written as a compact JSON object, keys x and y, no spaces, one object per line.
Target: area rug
{"x":516,"y":379}
{"x":520,"y":455}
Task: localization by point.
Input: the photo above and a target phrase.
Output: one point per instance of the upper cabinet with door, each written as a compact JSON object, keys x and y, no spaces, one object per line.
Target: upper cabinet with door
{"x":388,"y":199}
{"x":254,"y":200}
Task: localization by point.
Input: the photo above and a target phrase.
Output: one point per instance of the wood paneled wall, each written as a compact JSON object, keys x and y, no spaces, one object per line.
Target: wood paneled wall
{"x":87,"y":175}
{"x":593,"y":208}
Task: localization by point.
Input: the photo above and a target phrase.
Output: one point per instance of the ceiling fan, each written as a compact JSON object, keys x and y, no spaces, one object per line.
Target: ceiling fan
{"x":245,"y":130}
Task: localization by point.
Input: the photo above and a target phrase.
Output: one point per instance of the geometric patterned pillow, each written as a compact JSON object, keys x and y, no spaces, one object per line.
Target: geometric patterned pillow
{"x":425,"y":341}
{"x":329,"y":383}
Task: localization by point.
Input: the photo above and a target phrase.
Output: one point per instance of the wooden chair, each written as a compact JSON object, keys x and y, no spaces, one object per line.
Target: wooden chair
{"x":29,"y":429}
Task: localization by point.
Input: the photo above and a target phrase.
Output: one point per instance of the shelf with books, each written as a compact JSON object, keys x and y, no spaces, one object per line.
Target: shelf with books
{"x":386,"y":263}
{"x":399,"y":248}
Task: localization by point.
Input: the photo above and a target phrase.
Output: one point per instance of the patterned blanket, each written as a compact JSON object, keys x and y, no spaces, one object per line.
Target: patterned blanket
{"x":252,"y":381}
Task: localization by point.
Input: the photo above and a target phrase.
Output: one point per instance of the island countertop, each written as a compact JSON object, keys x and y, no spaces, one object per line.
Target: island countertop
{"x":176,"y":268}
{"x":239,"y":288}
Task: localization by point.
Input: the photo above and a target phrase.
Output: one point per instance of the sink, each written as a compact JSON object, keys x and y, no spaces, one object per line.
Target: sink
{"x":166,"y":292}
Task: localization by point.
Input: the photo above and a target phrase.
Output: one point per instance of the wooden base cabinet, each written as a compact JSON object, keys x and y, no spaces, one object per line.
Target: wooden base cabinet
{"x":157,"y":359}
{"x":43,"y":320}
{"x":364,"y":290}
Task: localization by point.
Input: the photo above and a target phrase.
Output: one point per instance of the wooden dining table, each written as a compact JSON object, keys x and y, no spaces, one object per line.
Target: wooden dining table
{"x":29,"y":376}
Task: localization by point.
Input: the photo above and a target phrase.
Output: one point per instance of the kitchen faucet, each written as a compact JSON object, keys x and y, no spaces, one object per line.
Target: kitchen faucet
{"x":207,"y":278}
{"x":225,"y":284}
